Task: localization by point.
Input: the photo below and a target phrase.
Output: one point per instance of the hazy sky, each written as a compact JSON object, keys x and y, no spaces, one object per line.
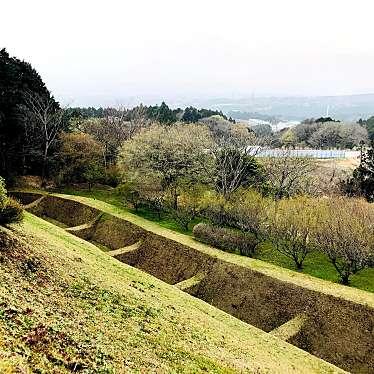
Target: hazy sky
{"x":108,"y":50}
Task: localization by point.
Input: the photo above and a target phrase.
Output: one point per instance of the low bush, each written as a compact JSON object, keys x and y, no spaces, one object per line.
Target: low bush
{"x":112,"y":176}
{"x":11,"y":212}
{"x":214,"y":208}
{"x":226,"y":239}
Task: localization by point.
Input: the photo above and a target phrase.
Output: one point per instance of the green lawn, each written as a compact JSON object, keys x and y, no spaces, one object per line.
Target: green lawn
{"x":316,"y":264}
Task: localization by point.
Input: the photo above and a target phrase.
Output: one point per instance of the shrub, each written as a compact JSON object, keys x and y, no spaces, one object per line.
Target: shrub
{"x":112,"y":176}
{"x":215,"y":208}
{"x":249,"y":211}
{"x":93,"y":174}
{"x":131,"y":194}
{"x":226,"y":239}
{"x":11,"y":212}
{"x":188,"y":207}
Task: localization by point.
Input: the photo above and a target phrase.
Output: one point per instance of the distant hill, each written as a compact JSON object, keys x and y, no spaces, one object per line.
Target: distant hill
{"x":345,"y":108}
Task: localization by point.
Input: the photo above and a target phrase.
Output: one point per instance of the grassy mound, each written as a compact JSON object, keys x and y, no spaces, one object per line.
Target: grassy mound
{"x":66,"y":306}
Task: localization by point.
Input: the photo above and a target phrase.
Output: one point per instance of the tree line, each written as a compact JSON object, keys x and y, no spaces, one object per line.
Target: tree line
{"x":187,"y":173}
{"x":191,"y":165}
{"x":320,"y":133}
{"x":35,"y":130}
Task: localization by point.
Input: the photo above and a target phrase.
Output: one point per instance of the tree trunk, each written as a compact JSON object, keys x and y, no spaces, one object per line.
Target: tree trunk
{"x":45,"y":157}
{"x":345,"y":279}
{"x":299,"y":264}
{"x":175,"y":198}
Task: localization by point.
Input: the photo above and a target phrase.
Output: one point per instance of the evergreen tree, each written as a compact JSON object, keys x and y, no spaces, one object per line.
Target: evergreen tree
{"x":20,"y":150}
{"x":191,"y":115}
{"x":362,"y":181}
{"x":369,"y":125}
{"x":165,"y":115}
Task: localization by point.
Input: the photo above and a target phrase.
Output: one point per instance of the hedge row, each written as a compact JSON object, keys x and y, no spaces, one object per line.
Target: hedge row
{"x":226,"y":239}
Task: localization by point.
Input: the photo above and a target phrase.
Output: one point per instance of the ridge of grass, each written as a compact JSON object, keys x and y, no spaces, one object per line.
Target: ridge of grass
{"x":75,"y":309}
{"x":269,"y":262}
{"x":271,"y":269}
{"x":316,"y":263}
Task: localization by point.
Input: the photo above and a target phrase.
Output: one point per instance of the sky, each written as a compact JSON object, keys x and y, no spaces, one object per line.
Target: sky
{"x":122,"y":51}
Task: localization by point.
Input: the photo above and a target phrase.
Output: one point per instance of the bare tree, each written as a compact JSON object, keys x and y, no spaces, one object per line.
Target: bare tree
{"x":249,"y":212}
{"x":49,"y":118}
{"x":288,"y":175}
{"x":235,"y":165}
{"x":118,"y":125}
{"x":290,"y":227}
{"x":345,"y":233}
{"x":338,"y":135}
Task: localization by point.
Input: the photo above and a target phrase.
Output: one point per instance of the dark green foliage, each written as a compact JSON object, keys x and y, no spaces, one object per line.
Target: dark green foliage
{"x":369,"y":125}
{"x":162,"y":114}
{"x":191,"y":114}
{"x":159,"y":113}
{"x":226,"y":239}
{"x":93,"y":174}
{"x":89,"y":112}
{"x":325,"y":119}
{"x":21,"y":144}
{"x":362,"y":181}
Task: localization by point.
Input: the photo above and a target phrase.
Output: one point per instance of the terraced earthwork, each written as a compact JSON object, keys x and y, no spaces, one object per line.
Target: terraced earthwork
{"x":339,"y":330}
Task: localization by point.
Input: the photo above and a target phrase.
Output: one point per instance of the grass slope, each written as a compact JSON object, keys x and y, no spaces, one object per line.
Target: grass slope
{"x":316,"y":264}
{"x":66,"y":306}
